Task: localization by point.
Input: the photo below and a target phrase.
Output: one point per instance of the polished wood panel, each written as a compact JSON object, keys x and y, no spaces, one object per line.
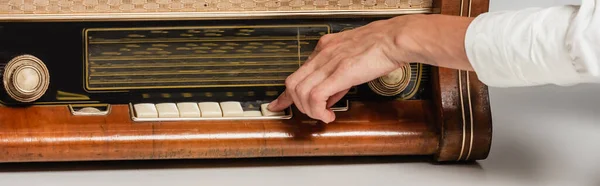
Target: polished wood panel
{"x":462,"y":104}
{"x":51,"y":133}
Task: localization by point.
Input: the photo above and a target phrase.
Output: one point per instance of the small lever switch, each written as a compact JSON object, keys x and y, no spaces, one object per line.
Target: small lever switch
{"x":90,"y":109}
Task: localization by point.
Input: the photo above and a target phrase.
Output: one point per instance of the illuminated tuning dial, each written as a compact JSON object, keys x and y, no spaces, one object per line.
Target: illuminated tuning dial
{"x":25,"y":78}
{"x":393,"y":83}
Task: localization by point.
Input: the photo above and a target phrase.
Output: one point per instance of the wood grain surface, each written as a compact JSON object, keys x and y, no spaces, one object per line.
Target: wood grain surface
{"x":51,"y":133}
{"x":462,"y":101}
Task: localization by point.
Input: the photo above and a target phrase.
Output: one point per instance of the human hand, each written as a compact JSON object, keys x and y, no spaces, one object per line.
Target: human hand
{"x":340,"y":61}
{"x":343,"y":60}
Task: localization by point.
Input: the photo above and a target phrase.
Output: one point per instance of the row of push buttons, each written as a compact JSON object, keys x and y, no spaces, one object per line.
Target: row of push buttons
{"x":203,"y":110}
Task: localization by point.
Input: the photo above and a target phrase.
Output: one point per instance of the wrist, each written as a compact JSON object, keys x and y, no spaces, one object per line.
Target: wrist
{"x":436,"y":40}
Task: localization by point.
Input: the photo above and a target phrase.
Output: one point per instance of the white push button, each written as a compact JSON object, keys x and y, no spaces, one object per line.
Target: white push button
{"x":232,"y":109}
{"x":145,"y":110}
{"x":167,"y":110}
{"x":210,"y":109}
{"x":267,"y":112}
{"x":188,"y":110}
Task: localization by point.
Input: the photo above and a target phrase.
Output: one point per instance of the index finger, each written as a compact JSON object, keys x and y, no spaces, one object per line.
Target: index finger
{"x":282,"y":102}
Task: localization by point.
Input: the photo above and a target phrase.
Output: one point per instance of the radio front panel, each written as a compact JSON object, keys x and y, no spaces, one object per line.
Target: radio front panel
{"x":179,"y":79}
{"x":121,"y":62}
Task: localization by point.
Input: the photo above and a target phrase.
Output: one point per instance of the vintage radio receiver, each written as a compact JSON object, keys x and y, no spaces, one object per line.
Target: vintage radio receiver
{"x":166,"y":79}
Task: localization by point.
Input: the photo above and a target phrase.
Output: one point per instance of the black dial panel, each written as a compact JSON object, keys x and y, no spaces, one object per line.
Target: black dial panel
{"x":137,"y":61}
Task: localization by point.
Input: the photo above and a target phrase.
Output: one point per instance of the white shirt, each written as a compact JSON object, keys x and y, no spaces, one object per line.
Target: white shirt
{"x":536,"y":46}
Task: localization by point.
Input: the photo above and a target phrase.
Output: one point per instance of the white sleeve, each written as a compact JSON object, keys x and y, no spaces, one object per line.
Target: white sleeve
{"x":557,"y":45}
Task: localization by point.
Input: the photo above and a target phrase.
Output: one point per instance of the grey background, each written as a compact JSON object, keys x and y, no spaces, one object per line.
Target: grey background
{"x":542,"y":136}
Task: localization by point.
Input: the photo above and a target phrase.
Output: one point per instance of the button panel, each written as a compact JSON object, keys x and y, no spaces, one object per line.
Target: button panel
{"x":190,"y":111}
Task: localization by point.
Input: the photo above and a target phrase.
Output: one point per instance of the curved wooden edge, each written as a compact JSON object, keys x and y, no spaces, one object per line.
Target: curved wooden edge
{"x":463,"y":108}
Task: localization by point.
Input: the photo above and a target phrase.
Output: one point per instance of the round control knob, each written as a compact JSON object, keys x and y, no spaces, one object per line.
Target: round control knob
{"x":393,"y":83}
{"x":25,"y":78}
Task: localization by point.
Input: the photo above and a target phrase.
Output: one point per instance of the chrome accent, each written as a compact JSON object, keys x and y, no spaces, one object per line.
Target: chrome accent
{"x":11,"y":84}
{"x":342,"y":108}
{"x":88,"y":110}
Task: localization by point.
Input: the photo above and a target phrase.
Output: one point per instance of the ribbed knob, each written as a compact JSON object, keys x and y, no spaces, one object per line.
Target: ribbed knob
{"x":25,"y":78}
{"x":393,"y":83}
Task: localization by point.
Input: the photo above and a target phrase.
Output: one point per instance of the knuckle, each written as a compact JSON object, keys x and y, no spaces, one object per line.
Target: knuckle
{"x":321,"y":44}
{"x":316,"y":95}
{"x":325,"y":41}
{"x":301,"y":89}
{"x":290,"y":83}
{"x":326,"y":38}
